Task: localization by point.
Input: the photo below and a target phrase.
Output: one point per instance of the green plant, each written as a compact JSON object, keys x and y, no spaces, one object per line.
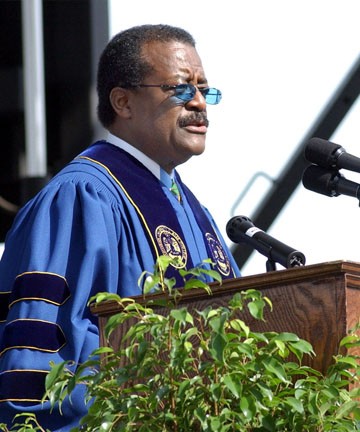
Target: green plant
{"x":207,"y":371}
{"x":29,"y":424}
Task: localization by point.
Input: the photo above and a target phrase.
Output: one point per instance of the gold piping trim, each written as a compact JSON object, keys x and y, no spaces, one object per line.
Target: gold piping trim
{"x":25,"y":370}
{"x":42,"y":272}
{"x":39,"y":299}
{"x":20,"y":400}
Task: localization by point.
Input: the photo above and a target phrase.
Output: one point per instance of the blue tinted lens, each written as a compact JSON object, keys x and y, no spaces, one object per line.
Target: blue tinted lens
{"x":211,"y":95}
{"x":185,"y":92}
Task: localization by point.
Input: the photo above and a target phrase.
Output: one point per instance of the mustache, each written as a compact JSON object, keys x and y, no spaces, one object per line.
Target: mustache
{"x":194,"y":117}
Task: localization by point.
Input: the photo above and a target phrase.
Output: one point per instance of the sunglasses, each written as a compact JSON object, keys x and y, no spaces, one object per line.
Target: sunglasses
{"x":186,"y":92}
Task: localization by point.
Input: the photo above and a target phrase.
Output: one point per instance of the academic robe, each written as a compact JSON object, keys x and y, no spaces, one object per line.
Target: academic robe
{"x":96,"y":226}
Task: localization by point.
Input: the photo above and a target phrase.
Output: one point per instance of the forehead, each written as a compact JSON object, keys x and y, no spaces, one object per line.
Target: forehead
{"x":173,"y":58}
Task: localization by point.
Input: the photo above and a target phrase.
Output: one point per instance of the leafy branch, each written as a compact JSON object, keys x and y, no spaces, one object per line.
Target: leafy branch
{"x":206,"y":370}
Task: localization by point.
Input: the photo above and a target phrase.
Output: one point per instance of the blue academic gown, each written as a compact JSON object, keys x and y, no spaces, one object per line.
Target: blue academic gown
{"x":95,"y":227}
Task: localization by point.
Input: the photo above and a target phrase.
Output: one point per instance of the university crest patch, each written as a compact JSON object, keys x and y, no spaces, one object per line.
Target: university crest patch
{"x":171,"y":244}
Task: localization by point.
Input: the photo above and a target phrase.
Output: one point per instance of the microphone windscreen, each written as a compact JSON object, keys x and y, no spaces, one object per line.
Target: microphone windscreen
{"x":321,"y":152}
{"x":319,"y":180}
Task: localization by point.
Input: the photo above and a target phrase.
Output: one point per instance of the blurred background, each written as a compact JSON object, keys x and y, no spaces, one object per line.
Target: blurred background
{"x":288,"y":70}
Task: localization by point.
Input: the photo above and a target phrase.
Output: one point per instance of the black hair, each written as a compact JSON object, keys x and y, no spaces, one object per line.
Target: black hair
{"x":122,"y":62}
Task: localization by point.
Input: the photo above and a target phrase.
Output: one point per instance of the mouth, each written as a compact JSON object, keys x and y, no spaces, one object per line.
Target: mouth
{"x":196,"y":128}
{"x":195,"y":123}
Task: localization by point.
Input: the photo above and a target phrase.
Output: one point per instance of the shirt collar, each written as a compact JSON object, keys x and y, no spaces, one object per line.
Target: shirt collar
{"x":151,"y":165}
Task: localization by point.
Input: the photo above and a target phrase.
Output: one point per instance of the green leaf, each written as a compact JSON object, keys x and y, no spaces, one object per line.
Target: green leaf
{"x":256,"y":308}
{"x":236,"y":302}
{"x":300,"y":348}
{"x":233,"y":383}
{"x":164,"y":261}
{"x":200,"y":414}
{"x":57,"y":372}
{"x":346,"y":409}
{"x":295,"y":404}
{"x":162,"y":392}
{"x":192,"y":331}
{"x":217,"y":323}
{"x":350,"y":340}
{"x":349,"y":360}
{"x":287,"y":337}
{"x":283,"y":351}
{"x":244,"y":348}
{"x":265,"y":391}
{"x":195,"y":283}
{"x":275,"y":367}
{"x":182,"y":315}
{"x":183,"y":388}
{"x":215,"y":424}
{"x":247,"y":407}
{"x":150,"y":283}
{"x":216,"y":391}
{"x":330,"y":392}
{"x":239,"y":325}
{"x":102,"y":350}
{"x":218,"y":345}
{"x":214,"y":275}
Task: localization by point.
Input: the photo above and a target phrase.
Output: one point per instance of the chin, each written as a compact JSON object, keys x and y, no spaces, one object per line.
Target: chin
{"x":198,"y":150}
{"x":197,"y":145}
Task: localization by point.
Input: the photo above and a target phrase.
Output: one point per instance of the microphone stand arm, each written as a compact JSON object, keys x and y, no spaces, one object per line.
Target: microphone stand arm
{"x":270,"y":265}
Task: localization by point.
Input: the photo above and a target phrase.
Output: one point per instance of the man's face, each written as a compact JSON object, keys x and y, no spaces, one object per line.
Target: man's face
{"x":165,"y":128}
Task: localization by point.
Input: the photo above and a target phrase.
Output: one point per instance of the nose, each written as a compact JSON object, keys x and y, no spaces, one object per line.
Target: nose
{"x":198,"y":102}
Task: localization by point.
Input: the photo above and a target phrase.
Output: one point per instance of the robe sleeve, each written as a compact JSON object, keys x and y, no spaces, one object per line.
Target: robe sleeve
{"x":62,"y":249}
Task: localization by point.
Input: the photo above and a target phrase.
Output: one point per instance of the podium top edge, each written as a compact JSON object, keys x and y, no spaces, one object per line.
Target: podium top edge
{"x":259,"y":282}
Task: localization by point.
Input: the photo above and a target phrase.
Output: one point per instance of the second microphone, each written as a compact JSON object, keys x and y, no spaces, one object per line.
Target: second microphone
{"x":240,"y":229}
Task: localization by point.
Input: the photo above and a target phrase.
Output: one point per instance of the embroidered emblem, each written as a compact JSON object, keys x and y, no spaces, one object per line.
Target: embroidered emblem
{"x":219,"y":256}
{"x":171,"y":244}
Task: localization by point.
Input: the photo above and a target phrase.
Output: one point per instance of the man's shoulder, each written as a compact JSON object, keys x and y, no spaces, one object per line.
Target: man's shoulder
{"x":84,"y":168}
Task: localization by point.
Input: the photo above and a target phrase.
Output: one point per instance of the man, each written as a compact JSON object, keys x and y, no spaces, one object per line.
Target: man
{"x":107,"y":216}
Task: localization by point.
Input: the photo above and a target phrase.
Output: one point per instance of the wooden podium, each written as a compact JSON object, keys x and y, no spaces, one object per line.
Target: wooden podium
{"x":319,"y":303}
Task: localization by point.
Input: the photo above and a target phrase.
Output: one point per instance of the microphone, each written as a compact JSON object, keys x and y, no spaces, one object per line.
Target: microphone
{"x":329,"y":182}
{"x":240,"y":229}
{"x":330,"y":155}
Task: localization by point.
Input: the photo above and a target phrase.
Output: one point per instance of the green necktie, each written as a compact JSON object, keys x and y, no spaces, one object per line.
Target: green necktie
{"x":175,"y":190}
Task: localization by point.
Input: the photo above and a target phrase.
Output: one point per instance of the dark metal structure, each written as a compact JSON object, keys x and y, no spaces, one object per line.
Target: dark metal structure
{"x":74,"y":33}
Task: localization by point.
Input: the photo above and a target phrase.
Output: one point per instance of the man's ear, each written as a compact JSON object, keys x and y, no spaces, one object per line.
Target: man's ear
{"x":120,"y":102}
